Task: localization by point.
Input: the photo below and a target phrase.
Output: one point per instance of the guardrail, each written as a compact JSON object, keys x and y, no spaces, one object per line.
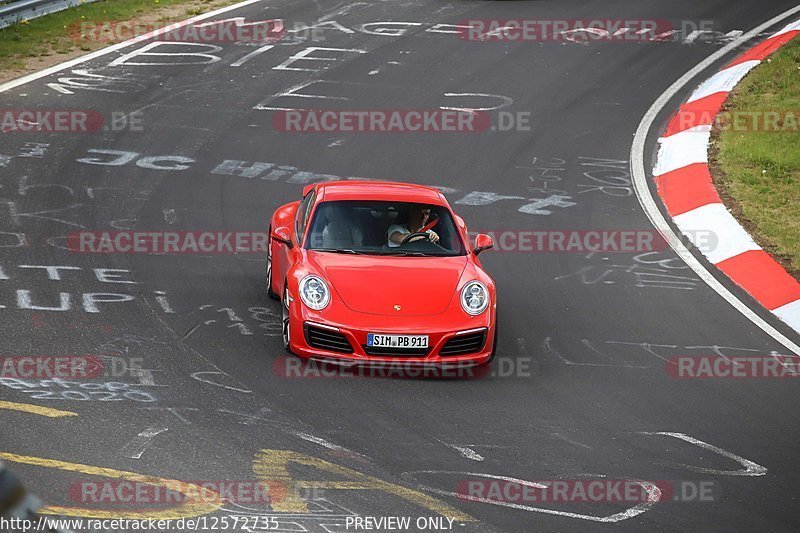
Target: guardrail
{"x":13,"y":12}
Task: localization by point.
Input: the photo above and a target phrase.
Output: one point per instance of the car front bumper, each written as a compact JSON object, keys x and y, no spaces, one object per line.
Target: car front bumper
{"x":454,"y":338}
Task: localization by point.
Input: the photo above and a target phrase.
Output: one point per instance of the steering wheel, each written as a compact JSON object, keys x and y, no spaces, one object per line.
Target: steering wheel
{"x":416,"y":236}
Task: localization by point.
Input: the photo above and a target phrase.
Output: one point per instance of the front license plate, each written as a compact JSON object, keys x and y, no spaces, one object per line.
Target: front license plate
{"x":397,"y":341}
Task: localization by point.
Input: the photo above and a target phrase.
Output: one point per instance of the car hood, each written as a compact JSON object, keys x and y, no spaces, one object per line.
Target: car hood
{"x":377,"y":284}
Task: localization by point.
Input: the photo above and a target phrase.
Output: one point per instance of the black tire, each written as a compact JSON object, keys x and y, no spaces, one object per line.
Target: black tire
{"x":494,"y":342}
{"x":285,"y":323}
{"x":271,"y":293}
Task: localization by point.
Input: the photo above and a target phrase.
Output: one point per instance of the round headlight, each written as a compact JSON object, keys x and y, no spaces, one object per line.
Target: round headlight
{"x":314,"y":292}
{"x":474,"y":298}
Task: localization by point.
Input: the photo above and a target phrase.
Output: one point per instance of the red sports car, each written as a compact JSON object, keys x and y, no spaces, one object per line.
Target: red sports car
{"x":380,"y":272}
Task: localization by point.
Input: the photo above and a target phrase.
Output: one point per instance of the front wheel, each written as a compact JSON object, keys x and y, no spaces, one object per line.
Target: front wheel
{"x":285,"y":320}
{"x":270,"y":292}
{"x":494,"y":341}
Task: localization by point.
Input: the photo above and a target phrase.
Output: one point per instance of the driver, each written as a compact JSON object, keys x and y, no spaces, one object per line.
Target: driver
{"x":418,"y":216}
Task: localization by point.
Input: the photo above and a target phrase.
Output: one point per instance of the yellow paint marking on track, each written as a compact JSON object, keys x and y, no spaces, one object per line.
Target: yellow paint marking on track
{"x":36,"y":409}
{"x":199,"y":500}
{"x":272,"y":466}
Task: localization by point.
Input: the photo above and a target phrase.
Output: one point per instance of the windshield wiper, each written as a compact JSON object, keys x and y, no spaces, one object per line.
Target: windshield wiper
{"x":339,"y":251}
{"x":409,"y":254}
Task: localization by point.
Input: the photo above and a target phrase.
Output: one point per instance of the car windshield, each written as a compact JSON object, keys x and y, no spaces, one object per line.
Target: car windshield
{"x":384,"y":228}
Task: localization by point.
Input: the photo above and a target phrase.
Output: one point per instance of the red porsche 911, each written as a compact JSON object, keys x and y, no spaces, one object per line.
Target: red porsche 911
{"x":376,"y":272}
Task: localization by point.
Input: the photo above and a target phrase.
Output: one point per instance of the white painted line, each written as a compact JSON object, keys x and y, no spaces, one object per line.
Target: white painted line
{"x":488,"y":476}
{"x":506,"y":101}
{"x":208,"y":54}
{"x":197,"y":376}
{"x":252,"y":54}
{"x":790,"y":313}
{"x":794,"y":26}
{"x":649,"y":205}
{"x":468,"y":453}
{"x":653,"y":497}
{"x":724,"y":81}
{"x":465,"y":451}
{"x":547,"y":345}
{"x":329,"y":445}
{"x":99,"y":53}
{"x":682,"y":149}
{"x":322,"y":442}
{"x":714,"y":231}
{"x":565,"y":439}
{"x":135,"y":448}
{"x":750,"y":468}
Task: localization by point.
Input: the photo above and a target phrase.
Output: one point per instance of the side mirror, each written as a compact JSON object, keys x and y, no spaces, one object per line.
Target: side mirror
{"x":281,"y":234}
{"x":482,"y":242}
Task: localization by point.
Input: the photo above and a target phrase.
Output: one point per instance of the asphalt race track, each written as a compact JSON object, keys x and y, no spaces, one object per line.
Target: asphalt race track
{"x":580,"y":387}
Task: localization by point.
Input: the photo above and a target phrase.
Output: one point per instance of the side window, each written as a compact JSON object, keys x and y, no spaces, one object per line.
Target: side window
{"x":302,"y":216}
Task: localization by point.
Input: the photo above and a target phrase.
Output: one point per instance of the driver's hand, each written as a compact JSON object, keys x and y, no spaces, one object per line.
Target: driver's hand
{"x":434,"y":236}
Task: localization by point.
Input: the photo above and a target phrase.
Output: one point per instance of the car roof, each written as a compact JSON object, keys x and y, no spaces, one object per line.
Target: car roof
{"x":379,"y":190}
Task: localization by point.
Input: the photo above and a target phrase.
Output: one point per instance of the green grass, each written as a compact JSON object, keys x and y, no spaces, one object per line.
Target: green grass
{"x":49,"y":34}
{"x":760,"y":171}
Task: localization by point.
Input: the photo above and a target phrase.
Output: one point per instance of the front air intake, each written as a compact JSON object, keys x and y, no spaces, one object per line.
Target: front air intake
{"x":326,"y":339}
{"x":464,"y":344}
